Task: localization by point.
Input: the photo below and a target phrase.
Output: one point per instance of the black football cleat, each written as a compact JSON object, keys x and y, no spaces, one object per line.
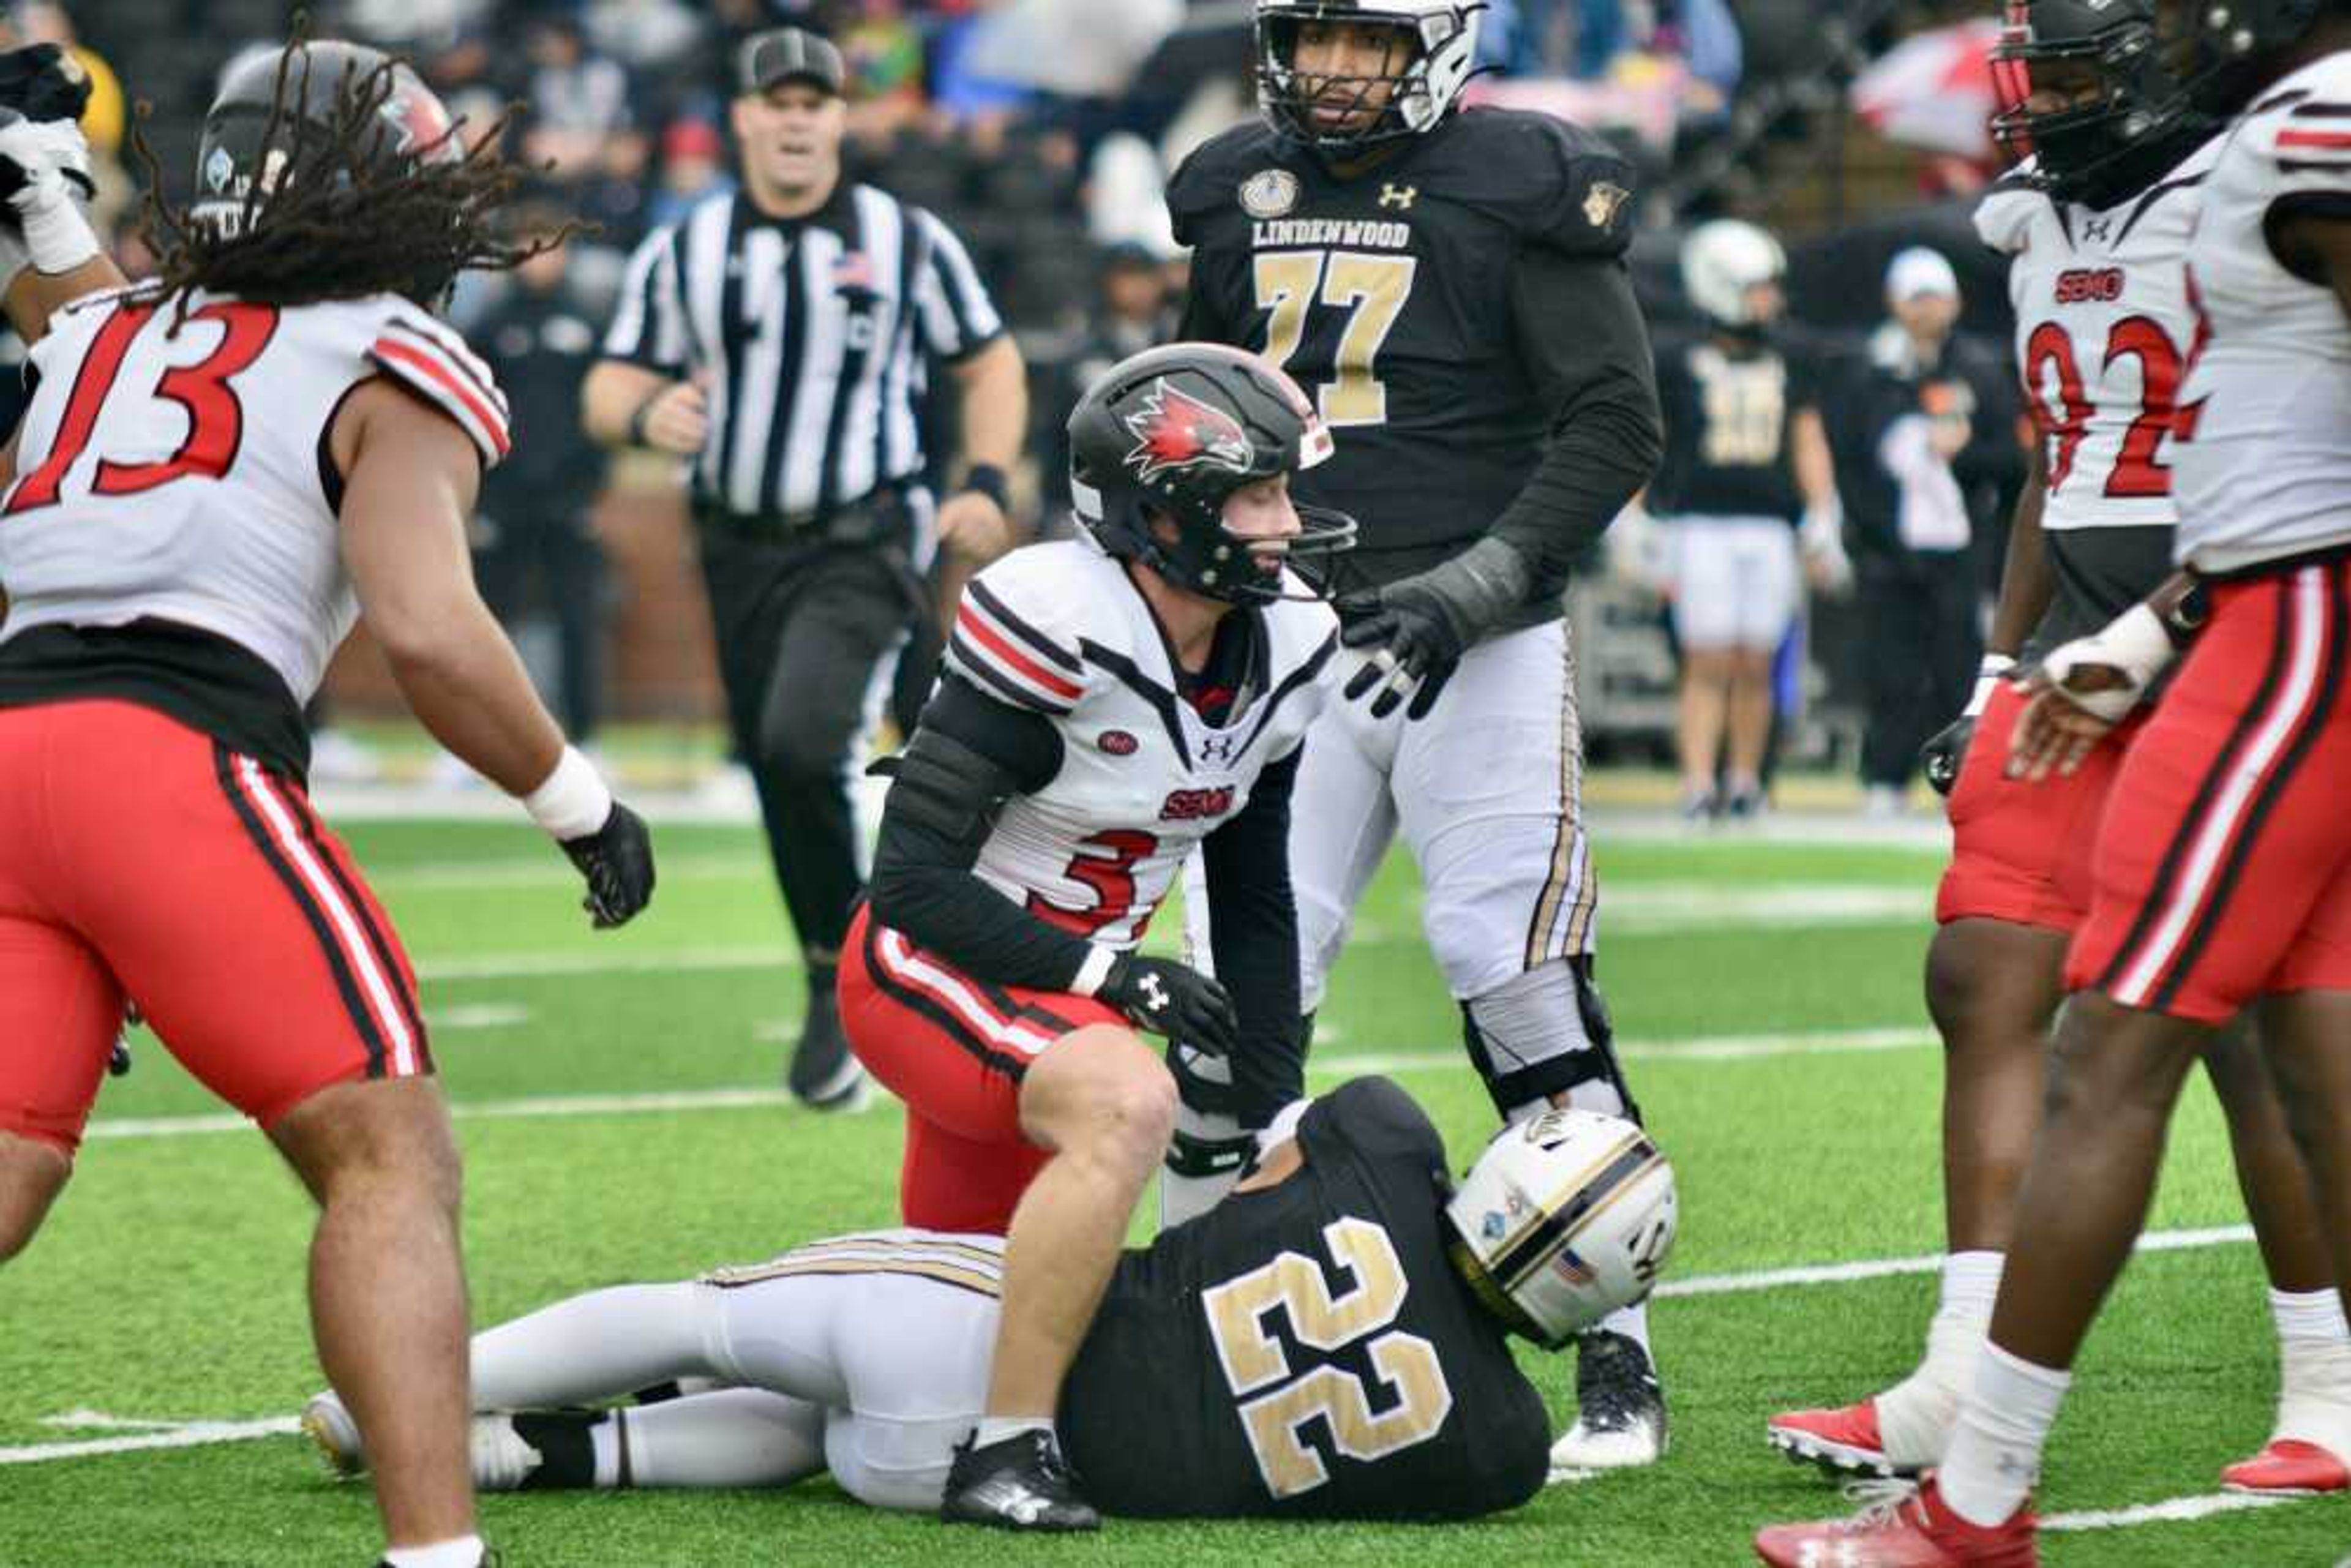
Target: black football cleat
{"x":1020,"y":1483}
{"x":825,"y":1076}
{"x":1620,"y":1422}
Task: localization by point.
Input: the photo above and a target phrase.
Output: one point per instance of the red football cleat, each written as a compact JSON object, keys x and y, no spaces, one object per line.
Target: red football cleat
{"x":1908,"y":1528}
{"x":2287,"y":1467}
{"x":1843,"y":1442}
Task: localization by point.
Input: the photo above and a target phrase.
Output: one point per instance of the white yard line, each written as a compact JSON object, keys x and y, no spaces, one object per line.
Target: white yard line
{"x":1886,"y":1268}
{"x":187,"y":1435}
{"x":1705,"y":1048}
{"x":2171,"y":1510}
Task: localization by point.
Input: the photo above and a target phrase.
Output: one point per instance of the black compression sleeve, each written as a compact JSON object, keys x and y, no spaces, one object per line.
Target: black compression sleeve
{"x":987,"y":751}
{"x":1253,"y":928}
{"x":1588,"y":351}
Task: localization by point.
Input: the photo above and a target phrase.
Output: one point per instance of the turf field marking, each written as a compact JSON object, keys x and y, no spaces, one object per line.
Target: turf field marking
{"x":2171,"y":1510}
{"x":481,"y":1015}
{"x":171,"y":1435}
{"x":1925,"y":1263}
{"x":1732,"y":1047}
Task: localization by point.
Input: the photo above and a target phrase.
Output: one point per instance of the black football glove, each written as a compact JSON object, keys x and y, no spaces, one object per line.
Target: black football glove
{"x":1944,"y":755}
{"x":617,"y":859}
{"x":1172,"y":999}
{"x":42,"y":82}
{"x":1418,"y":627}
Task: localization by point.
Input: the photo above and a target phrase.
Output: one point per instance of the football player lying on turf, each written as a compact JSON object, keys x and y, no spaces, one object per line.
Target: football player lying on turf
{"x":1331,"y":1340}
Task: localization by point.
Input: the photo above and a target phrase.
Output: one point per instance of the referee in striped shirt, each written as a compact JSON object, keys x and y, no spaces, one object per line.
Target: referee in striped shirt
{"x":778,"y":338}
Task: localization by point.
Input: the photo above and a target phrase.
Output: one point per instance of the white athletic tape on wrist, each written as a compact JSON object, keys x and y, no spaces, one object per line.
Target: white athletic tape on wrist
{"x":1988,"y":676}
{"x":2134,"y":643}
{"x":58,"y":238}
{"x":574,"y":801}
{"x":1093,"y":971}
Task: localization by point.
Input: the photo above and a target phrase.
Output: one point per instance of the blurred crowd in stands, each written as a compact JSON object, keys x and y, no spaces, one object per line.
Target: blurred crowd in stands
{"x":1040,"y":129}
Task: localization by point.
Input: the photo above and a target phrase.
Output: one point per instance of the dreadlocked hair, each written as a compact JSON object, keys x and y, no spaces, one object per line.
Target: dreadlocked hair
{"x":340,"y":221}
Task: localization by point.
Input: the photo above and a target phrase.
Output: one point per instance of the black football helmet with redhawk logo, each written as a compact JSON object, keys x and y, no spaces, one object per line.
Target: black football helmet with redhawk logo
{"x":1159,"y":442}
{"x":248,"y":141}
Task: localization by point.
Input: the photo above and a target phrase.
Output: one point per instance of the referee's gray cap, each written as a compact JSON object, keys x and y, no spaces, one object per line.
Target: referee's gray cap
{"x":787,"y":54}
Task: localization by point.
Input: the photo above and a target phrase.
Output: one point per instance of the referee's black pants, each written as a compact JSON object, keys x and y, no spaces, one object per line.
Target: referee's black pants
{"x":1921,"y":641}
{"x":809,"y":637}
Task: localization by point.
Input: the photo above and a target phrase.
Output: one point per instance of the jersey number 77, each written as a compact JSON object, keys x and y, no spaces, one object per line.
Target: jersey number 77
{"x":1372,"y":289}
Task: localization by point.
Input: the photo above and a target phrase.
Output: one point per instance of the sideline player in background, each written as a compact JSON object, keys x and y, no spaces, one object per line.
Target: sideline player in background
{"x":1749,"y":489}
{"x":867,"y":1356}
{"x":218,"y":473}
{"x":1110,"y":704}
{"x":2222,"y":876}
{"x":2097,"y":226}
{"x":1450,"y":286}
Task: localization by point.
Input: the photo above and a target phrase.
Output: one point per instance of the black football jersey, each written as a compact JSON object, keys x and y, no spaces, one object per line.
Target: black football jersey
{"x":1308,"y":1350}
{"x":1387,"y":295}
{"x":1728,"y":420}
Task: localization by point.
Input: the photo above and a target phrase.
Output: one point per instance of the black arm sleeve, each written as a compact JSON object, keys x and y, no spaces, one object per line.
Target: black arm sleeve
{"x":1588,"y":351}
{"x":969,"y":754}
{"x":1253,"y":929}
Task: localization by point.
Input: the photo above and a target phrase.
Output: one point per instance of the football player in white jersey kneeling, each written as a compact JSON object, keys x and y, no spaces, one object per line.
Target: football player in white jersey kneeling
{"x":1108,"y":705}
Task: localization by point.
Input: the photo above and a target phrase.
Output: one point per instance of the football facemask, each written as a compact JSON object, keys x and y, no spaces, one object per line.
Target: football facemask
{"x":1431,"y":58}
{"x":1566,"y":1217}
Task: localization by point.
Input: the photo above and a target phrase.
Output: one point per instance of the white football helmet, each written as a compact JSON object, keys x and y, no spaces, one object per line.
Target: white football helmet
{"x":1722,"y":262}
{"x":1424,"y":88}
{"x":1564,"y":1218}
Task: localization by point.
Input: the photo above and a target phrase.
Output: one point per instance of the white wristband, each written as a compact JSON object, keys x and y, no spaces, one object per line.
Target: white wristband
{"x":574,"y":801}
{"x":1988,"y":678}
{"x":1093,"y":971}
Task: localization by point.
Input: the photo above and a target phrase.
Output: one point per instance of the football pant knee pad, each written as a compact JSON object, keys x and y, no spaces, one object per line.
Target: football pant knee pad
{"x":1210,"y":1147}
{"x":1543,"y":1035}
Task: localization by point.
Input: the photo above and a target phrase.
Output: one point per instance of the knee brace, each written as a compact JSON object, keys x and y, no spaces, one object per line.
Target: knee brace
{"x":1210,"y":1147}
{"x":1543,"y":1034}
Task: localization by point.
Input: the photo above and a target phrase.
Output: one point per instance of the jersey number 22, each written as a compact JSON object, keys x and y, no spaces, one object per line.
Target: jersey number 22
{"x":1276,"y":1407}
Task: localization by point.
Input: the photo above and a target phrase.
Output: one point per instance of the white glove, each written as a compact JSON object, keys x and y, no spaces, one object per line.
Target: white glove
{"x":47,"y":163}
{"x":1821,"y":537}
{"x":1641,"y":550}
{"x":2135,"y":645}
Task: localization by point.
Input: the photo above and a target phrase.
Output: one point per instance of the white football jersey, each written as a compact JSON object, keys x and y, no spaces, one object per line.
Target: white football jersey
{"x":1060,"y":630}
{"x":184,"y":477}
{"x":2103,"y":334}
{"x":2265,"y":465}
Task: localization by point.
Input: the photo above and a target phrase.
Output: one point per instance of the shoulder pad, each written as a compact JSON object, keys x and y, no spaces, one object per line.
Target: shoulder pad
{"x":1375,"y":1117}
{"x":2005,"y":217}
{"x":1017,"y":630}
{"x":2303,"y":129}
{"x":431,"y":359}
{"x":1211,"y":175}
{"x":1559,"y":185}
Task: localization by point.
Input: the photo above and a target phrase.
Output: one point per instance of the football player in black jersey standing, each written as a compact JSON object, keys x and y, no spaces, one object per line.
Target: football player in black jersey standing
{"x":1450,"y":283}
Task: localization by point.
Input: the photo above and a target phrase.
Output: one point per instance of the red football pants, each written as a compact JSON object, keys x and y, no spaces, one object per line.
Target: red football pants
{"x":141,"y":861}
{"x":2223,"y":866}
{"x":955,"y":1049}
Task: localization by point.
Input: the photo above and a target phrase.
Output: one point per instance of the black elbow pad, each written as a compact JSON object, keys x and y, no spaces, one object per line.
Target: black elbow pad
{"x":943,"y":787}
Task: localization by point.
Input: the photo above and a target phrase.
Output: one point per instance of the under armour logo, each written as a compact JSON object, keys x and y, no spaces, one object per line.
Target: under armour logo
{"x":1399,"y":198}
{"x":1154,"y":995}
{"x":2097,"y":231}
{"x":1218,"y":747}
